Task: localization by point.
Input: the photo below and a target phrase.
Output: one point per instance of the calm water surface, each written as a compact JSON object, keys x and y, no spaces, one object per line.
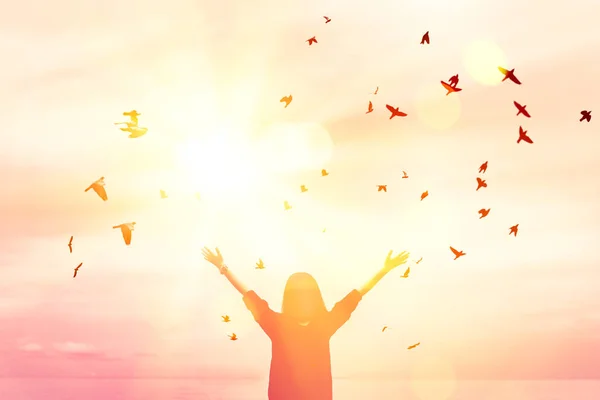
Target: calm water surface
{"x":174,"y":389}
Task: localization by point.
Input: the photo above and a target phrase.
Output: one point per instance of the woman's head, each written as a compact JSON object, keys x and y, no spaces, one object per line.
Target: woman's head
{"x":302,"y":299}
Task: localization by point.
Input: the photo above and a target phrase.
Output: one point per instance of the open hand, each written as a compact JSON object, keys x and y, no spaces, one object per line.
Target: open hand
{"x":214,"y":259}
{"x":393,"y":262}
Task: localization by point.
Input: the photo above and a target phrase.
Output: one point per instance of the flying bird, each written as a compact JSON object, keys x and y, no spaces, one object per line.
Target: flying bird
{"x":233,"y":336}
{"x":425,"y":38}
{"x":457,"y":253}
{"x":406,"y":273}
{"x":382,"y":187}
{"x":98,"y":187}
{"x":70,"y":245}
{"x":509,"y":75}
{"x":514,"y":230}
{"x":287,"y":100}
{"x":225,"y":318}
{"x":587,"y":115}
{"x":163,"y":194}
{"x":483,"y":168}
{"x":126,"y":231}
{"x":303,"y":188}
{"x":133,"y":114}
{"x":77,"y":269}
{"x":384,"y":328}
{"x":480,"y":183}
{"x":370,"y":110}
{"x":404,"y":175}
{"x":260,"y":264}
{"x":453,"y":81}
{"x":327,"y":19}
{"x":419,"y":260}
{"x":413,"y":346}
{"x":286,"y":205}
{"x":376,"y":90}
{"x":395,"y":111}
{"x":521,"y":109}
{"x":450,"y":88}
{"x":484,"y":212}
{"x":424,"y":194}
{"x":324,"y":172}
{"x":523,"y":136}
{"x":312,"y":40}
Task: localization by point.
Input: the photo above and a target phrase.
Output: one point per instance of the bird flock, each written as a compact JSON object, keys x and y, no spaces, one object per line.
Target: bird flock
{"x":136,"y":131}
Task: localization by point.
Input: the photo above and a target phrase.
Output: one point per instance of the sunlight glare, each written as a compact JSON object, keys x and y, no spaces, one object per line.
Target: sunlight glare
{"x":437,"y":110}
{"x":482,"y":59}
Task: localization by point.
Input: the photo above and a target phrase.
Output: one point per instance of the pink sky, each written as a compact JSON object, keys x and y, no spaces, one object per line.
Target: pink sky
{"x":524,"y":307}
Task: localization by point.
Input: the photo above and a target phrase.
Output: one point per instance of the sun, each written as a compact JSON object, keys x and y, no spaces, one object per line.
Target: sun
{"x":482,"y":59}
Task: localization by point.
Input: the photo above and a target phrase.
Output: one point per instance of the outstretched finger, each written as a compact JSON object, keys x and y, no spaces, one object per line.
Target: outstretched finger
{"x":390,"y":254}
{"x":218,"y":251}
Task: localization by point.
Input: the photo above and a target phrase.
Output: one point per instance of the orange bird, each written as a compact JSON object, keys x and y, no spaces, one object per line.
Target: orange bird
{"x":98,"y":187}
{"x":384,"y":328}
{"x":70,"y":245}
{"x":327,"y":19}
{"x":405,"y":175}
{"x":484,"y":212}
{"x":587,"y":115}
{"x":406,"y":273}
{"x":523,"y":136}
{"x":233,"y":336}
{"x":370,"y":110}
{"x":514,"y":229}
{"x":382,"y":187}
{"x":413,"y":346}
{"x":312,"y":40}
{"x":457,"y":253}
{"x":424,"y":194}
{"x":483,"y":168}
{"x":324,"y":172}
{"x":450,"y":88}
{"x":395,"y":111}
{"x":126,"y":229}
{"x":303,"y":188}
{"x":77,"y":269}
{"x":425,"y":38}
{"x":480,"y":183}
{"x":225,"y":318}
{"x":509,"y":75}
{"x":287,"y":100}
{"x":376,"y":90}
{"x":521,"y":109}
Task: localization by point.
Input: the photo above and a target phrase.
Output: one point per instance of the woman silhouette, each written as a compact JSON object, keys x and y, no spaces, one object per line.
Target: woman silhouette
{"x":300,"y":363}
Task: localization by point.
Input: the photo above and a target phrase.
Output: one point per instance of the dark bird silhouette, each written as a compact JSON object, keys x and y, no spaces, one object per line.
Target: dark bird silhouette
{"x":523,"y":136}
{"x":286,"y":205}
{"x":413,"y":346}
{"x":126,"y":231}
{"x":77,"y":269}
{"x":395,"y":111}
{"x":404,"y":175}
{"x":376,"y":90}
{"x":406,"y":273}
{"x":424,"y":194}
{"x":233,"y":336}
{"x":70,"y":245}
{"x":509,"y":75}
{"x":225,"y":318}
{"x":450,"y":88}
{"x":163,"y":194}
{"x":586,"y":115}
{"x":312,"y":40}
{"x":425,"y":38}
{"x":99,"y":188}
{"x":480,"y":183}
{"x":483,"y":168}
{"x":303,"y":188}
{"x":419,"y":260}
{"x":457,"y":253}
{"x":327,"y":19}
{"x":514,"y":230}
{"x":382,"y":187}
{"x":484,"y":212}
{"x":260,"y":264}
{"x":324,"y":172}
{"x":521,"y":109}
{"x":453,"y":81}
{"x":370,"y":109}
{"x":287,"y":100}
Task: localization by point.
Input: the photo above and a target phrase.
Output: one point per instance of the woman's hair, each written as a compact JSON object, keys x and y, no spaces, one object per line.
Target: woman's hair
{"x":302,"y":299}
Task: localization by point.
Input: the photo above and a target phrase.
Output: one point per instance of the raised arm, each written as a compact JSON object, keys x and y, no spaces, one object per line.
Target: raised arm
{"x":389,"y":264}
{"x":217,"y":261}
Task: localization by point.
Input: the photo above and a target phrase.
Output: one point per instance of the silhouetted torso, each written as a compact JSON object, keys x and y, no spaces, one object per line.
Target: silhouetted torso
{"x":300,"y":364}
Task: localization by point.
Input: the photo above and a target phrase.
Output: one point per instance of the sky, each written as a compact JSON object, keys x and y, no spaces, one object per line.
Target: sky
{"x":207,"y":78}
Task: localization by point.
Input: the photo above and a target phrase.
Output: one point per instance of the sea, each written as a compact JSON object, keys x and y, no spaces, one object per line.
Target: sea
{"x":344,"y":389}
